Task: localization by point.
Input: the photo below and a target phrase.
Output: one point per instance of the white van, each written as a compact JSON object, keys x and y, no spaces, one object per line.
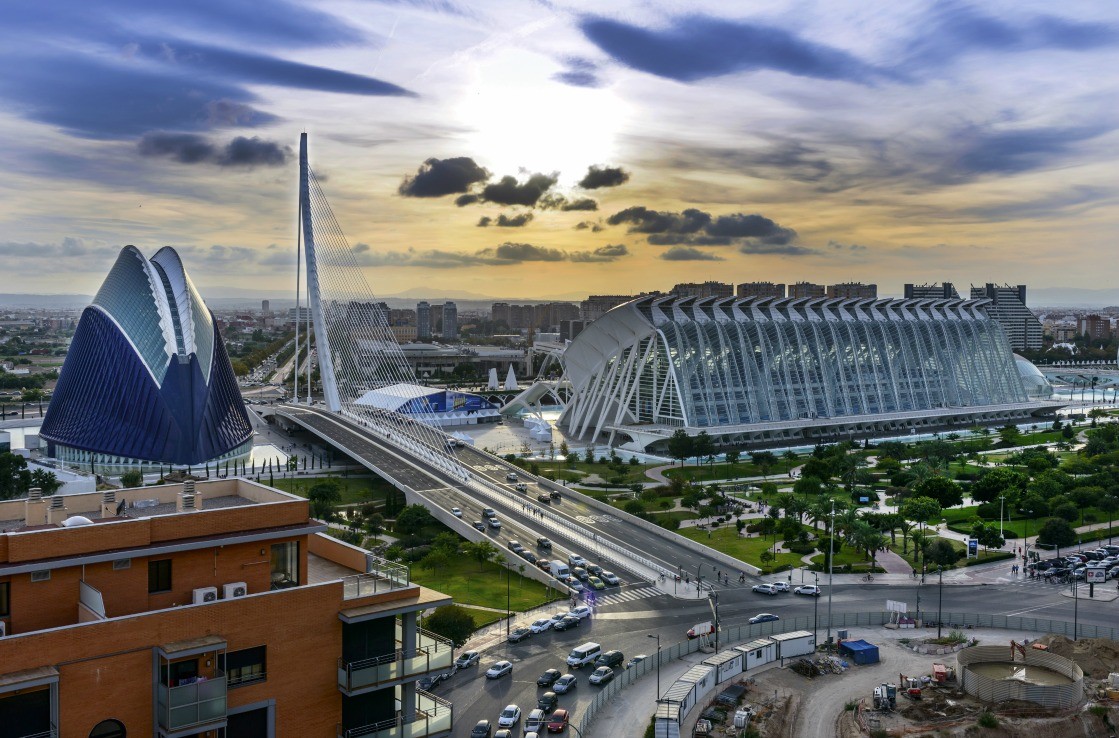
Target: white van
{"x":584,"y":654}
{"x":559,"y":569}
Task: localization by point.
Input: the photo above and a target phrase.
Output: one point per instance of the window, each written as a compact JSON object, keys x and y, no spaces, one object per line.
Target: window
{"x":285,"y":565}
{"x":245,"y":666}
{"x":5,"y":603}
{"x":159,"y":576}
{"x":108,"y":729}
{"x":120,"y":564}
{"x":43,"y":575}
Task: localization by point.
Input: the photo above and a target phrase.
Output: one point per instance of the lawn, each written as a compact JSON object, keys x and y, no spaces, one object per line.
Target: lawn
{"x":470,"y":584}
{"x":354,"y":489}
{"x":706,"y":473}
{"x":958,"y":545}
{"x":618,"y":476}
{"x":482,"y":618}
{"x":844,"y":557}
{"x":749,"y":550}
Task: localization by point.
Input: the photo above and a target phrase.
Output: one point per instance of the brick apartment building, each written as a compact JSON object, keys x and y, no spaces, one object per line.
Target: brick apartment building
{"x":220,"y":609}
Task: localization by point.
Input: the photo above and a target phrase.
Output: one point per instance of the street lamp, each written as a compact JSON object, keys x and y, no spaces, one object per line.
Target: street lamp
{"x":816,"y":610}
{"x":508,"y":611}
{"x":1002,"y":498}
{"x":831,"y":563}
{"x":658,"y":637}
{"x":1075,"y":609}
{"x":940,"y":602}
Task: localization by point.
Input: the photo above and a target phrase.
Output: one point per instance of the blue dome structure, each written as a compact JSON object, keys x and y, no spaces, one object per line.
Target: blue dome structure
{"x":147,"y":378}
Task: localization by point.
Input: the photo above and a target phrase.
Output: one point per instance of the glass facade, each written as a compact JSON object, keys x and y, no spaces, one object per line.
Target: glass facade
{"x":710,"y":363}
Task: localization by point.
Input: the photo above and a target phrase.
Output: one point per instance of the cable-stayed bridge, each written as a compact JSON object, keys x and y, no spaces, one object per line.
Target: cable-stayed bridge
{"x":357,"y":354}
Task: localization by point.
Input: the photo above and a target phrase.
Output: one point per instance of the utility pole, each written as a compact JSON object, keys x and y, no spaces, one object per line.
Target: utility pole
{"x":658,"y":637}
{"x":831,"y":564}
{"x":940,"y":602}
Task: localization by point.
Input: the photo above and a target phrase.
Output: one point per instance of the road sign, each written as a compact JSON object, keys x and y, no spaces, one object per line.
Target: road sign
{"x":972,"y":547}
{"x":1095,"y":575}
{"x":895,"y":606}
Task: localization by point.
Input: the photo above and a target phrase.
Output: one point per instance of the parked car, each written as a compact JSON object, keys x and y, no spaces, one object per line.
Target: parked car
{"x":467,"y":658}
{"x":456,"y":512}
{"x":558,"y":722}
{"x":481,"y":729}
{"x":558,"y":617}
{"x":610,"y":658}
{"x":580,"y":611}
{"x":519,"y":634}
{"x":566,"y":683}
{"x":636,"y":660}
{"x":509,"y":717}
{"x":782,"y":586}
{"x":567,"y":623}
{"x":601,"y":675}
{"x":548,"y":678}
{"x":764,"y":617}
{"x":807,"y":589}
{"x":500,"y":669}
{"x":610,"y":578}
{"x":766,"y":589}
{"x":541,"y":625}
{"x":547,"y":701}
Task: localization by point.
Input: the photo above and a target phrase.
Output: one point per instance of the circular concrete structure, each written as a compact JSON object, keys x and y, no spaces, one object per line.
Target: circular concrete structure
{"x":992,"y":674}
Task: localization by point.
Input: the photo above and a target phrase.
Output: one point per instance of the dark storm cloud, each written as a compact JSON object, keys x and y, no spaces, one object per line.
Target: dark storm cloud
{"x":687,"y":253}
{"x":597,"y":177}
{"x":579,"y":73}
{"x":610,"y":252}
{"x":521,"y":252}
{"x":753,"y":234}
{"x":698,"y":47}
{"x":559,"y":202}
{"x":644,"y":220}
{"x":191,"y":148}
{"x":758,"y":227}
{"x":439,"y":177}
{"x":506,"y":221}
{"x":508,"y":191}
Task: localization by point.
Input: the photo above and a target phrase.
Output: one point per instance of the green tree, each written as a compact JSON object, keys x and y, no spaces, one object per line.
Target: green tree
{"x":131,"y":479}
{"x":31,"y":395}
{"x":635,"y":507}
{"x":680,"y":445}
{"x":733,"y":457}
{"x":15,"y":479}
{"x":764,"y":460}
{"x":480,"y":551}
{"x":941,"y":553}
{"x":995,"y":482}
{"x":324,"y":497}
{"x":946,"y":492}
{"x":1067,"y":511}
{"x":1009,"y":435}
{"x":452,"y":622}
{"x":703,"y":445}
{"x":1109,"y":503}
{"x":375,"y":525}
{"x":45,"y":480}
{"x":588,"y":455}
{"x":1056,"y":532}
{"x":564,"y":450}
{"x":412,"y":520}
{"x":808,"y":486}
{"x":920,"y":510}
{"x":987,"y":535}
{"x":435,"y":559}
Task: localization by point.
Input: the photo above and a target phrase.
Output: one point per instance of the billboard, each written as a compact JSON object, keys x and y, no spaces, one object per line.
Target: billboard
{"x":1095,"y":575}
{"x":972,"y":547}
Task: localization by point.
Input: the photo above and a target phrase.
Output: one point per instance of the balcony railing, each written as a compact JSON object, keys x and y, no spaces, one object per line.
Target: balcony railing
{"x":383,"y":576}
{"x":51,"y":732}
{"x":433,"y":653}
{"x":193,"y":704}
{"x":434,"y":717}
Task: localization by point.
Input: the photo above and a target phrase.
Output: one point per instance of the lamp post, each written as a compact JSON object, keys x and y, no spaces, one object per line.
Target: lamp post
{"x":658,"y":637}
{"x":1075,"y":610}
{"x":940,"y":602}
{"x":508,"y":611}
{"x":816,"y":610}
{"x":1002,"y":498}
{"x":831,"y":563}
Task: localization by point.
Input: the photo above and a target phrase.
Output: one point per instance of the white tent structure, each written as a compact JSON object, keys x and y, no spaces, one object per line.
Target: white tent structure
{"x":492,"y":384}
{"x":510,"y":380}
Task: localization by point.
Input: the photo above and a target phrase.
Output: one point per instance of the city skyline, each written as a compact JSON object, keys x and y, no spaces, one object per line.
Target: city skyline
{"x":568,"y":153}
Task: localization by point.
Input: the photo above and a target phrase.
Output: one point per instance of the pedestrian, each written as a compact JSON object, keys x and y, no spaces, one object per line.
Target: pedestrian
{"x":742,"y":578}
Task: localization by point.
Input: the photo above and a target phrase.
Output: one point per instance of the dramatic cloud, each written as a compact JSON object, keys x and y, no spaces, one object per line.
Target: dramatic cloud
{"x":463,"y":200}
{"x":505,"y":221}
{"x":508,"y":191}
{"x":520,"y":252}
{"x":587,"y":224}
{"x":439,"y":177}
{"x":687,"y":253}
{"x":753,"y":234}
{"x":190,"y":148}
{"x":597,"y":177}
{"x":644,"y":220}
{"x":506,"y":254}
{"x":559,"y":202}
{"x":698,"y":47}
{"x":758,"y":227}
{"x":610,"y":252}
{"x":579,"y":73}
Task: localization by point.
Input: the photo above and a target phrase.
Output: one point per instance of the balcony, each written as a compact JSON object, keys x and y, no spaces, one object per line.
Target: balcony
{"x":434,"y":717}
{"x":191,"y":705}
{"x":433,"y":653}
{"x":383,"y":576}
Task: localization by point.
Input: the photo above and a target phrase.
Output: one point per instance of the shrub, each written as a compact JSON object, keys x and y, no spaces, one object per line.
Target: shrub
{"x":988,"y":720}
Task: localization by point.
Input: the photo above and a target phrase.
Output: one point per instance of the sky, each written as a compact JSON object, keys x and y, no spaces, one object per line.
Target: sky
{"x":551,"y":149}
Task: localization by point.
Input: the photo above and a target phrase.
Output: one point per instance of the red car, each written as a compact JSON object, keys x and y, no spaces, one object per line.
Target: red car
{"x":557,"y":723}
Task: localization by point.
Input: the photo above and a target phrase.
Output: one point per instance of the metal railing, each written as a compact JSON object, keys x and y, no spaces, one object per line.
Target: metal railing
{"x":742,"y":633}
{"x":383,"y":576}
{"x":431,"y":653}
{"x":193,"y":704}
{"x":51,"y":732}
{"x":433,"y":716}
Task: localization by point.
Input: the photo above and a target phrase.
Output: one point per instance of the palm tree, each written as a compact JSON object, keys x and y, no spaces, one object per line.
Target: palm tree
{"x":790,"y":458}
{"x":819,"y":510}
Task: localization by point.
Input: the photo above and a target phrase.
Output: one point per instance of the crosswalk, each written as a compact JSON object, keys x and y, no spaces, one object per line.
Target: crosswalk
{"x":626,"y":595}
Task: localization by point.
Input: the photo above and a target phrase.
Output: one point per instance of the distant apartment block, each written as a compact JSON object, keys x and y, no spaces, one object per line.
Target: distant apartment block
{"x":807,"y":289}
{"x":595,"y":306}
{"x":853,"y":290}
{"x":423,"y":321}
{"x":703,"y":289}
{"x":1008,"y":307}
{"x":544,"y":316}
{"x":569,"y":329}
{"x":761,"y":289}
{"x":1095,"y":327}
{"x":217,"y":608}
{"x":944,"y":291}
{"x":450,"y":321}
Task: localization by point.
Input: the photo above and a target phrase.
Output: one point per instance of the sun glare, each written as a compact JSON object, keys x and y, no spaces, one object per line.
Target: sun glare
{"x":519,"y":118}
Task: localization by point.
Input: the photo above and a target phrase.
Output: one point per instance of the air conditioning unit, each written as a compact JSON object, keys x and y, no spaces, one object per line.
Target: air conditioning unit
{"x":3,"y":629}
{"x":234,"y":589}
{"x":205,"y":594}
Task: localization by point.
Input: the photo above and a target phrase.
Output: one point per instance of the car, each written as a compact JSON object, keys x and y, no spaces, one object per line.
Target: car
{"x":610,"y":578}
{"x":544,"y":543}
{"x":511,"y":477}
{"x":467,"y":658}
{"x":764,"y":617}
{"x":548,"y":678}
{"x":479,"y":525}
{"x":582,"y":611}
{"x":636,"y":660}
{"x":509,"y":717}
{"x":544,"y":498}
{"x":532,"y":734}
{"x":544,"y":565}
{"x":567,"y":623}
{"x":558,"y":722}
{"x":558,"y":617}
{"x":489,"y":513}
{"x":519,"y":634}
{"x":500,"y":669}
{"x":782,"y":586}
{"x":576,"y":560}
{"x":601,"y":675}
{"x":807,"y":589}
{"x":596,"y":583}
{"x":594,"y":570}
{"x":514,"y":546}
{"x":494,"y":523}
{"x":547,"y":701}
{"x":456,"y":512}
{"x":481,"y":729}
{"x":527,"y":555}
{"x":536,"y":720}
{"x":580,"y":573}
{"x":574,"y":585}
{"x":503,"y":733}
{"x":429,"y":682}
{"x":767,"y":589}
{"x":566,"y":683}
{"x":521,"y":487}
{"x":610,"y":658}
{"x":554,"y":494}
{"x":541,"y":625}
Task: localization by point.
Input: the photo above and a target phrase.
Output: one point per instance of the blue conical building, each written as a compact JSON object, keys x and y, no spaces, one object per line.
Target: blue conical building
{"x":147,"y":378}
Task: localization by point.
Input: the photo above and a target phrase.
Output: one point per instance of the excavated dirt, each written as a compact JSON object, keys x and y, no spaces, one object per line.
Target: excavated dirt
{"x":1096,"y":656}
